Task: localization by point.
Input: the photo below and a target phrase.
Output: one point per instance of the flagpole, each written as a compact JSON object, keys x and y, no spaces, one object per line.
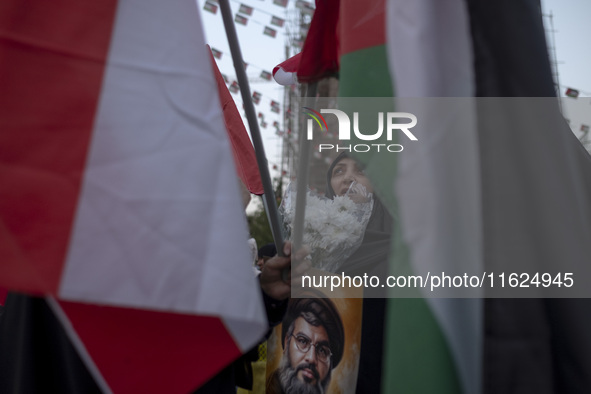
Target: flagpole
{"x":302,"y":183}
{"x":269,"y":196}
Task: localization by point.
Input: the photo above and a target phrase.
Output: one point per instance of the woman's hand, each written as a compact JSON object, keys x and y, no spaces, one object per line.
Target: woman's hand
{"x":358,"y":193}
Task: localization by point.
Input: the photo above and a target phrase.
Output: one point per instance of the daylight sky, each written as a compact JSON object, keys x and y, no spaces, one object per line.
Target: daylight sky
{"x":570,"y":20}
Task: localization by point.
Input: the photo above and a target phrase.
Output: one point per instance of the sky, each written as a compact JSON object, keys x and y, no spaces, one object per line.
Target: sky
{"x":571,"y":23}
{"x":570,"y":20}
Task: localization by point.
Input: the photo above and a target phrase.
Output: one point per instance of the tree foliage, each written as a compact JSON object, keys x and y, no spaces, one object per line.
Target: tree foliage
{"x":258,"y":225}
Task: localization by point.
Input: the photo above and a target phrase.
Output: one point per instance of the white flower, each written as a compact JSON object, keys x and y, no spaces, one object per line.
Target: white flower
{"x":333,"y":229}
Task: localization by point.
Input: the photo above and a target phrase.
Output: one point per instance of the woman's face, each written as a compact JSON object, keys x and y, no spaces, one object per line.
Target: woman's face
{"x":344,"y":174}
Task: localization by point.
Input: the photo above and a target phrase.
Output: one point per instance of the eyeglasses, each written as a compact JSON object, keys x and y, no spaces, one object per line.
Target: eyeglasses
{"x":303,"y":343}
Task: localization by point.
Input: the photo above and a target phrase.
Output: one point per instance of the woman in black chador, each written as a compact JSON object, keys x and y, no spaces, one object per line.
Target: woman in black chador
{"x":346,"y":176}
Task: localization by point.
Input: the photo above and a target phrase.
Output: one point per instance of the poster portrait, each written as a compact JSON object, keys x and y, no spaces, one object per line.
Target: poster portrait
{"x":316,"y":347}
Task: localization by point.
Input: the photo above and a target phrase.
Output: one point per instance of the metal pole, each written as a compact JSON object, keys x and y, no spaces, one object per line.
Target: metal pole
{"x":269,"y":196}
{"x":302,"y":183}
{"x":555,"y":63}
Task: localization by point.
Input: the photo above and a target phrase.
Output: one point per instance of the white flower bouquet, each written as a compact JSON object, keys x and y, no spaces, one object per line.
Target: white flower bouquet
{"x":333,"y":228}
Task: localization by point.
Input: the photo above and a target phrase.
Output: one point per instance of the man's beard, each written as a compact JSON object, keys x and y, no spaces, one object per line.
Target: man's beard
{"x":288,"y":377}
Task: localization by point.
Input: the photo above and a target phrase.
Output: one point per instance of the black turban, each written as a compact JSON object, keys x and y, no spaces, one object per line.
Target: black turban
{"x":326,"y":312}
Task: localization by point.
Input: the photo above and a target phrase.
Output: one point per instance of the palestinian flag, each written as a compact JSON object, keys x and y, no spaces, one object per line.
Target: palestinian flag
{"x":434,"y":351}
{"x":511,"y":210}
{"x":241,"y":19}
{"x":305,"y":6}
{"x":216,"y":53}
{"x":266,"y":75}
{"x":275,"y":106}
{"x":572,"y":93}
{"x":270,"y":32}
{"x":119,"y":197}
{"x":211,"y":7}
{"x":277,"y":21}
{"x":244,"y":9}
{"x":256,"y":97}
{"x":234,"y":88}
{"x":320,"y":55}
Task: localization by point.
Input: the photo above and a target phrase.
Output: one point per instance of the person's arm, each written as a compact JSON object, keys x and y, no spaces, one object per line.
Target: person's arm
{"x":276,"y":285}
{"x":276,"y":289}
{"x":273,"y":282}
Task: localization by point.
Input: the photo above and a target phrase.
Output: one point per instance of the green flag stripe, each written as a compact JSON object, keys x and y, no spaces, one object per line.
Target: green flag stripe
{"x":417,"y":357}
{"x":364,"y":73}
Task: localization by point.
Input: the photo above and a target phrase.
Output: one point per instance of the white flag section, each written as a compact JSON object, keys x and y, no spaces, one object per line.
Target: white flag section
{"x":430,"y":55}
{"x":160,"y":223}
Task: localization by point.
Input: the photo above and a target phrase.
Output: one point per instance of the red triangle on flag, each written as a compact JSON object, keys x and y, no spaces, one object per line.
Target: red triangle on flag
{"x":132,"y":348}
